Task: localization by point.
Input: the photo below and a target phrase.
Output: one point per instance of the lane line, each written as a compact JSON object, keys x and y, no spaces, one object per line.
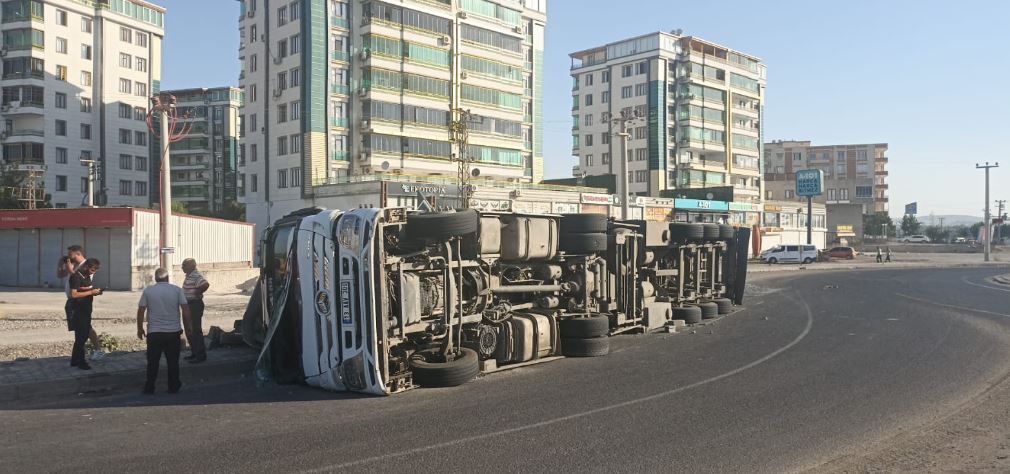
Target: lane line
{"x":553,"y":421}
{"x":965,"y":279}
{"x":951,"y":306}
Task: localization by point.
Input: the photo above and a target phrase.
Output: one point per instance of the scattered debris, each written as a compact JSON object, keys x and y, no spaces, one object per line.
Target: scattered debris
{"x":830,"y":287}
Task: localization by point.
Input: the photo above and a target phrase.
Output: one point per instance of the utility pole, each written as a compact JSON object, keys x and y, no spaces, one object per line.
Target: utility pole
{"x":92,"y":171}
{"x":164,"y":107}
{"x":627,"y":116}
{"x":999,"y":215}
{"x":459,"y":133}
{"x":988,"y":219}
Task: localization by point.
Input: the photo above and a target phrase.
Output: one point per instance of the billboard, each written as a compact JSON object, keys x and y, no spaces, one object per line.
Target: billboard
{"x":809,"y":182}
{"x":912,"y":209}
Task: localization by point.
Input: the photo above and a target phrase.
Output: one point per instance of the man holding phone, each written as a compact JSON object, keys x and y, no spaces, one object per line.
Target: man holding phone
{"x":82,"y":296}
{"x":162,"y":303}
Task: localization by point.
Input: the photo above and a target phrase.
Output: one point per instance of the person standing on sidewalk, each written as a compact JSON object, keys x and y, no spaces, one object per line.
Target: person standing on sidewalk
{"x":162,"y":303}
{"x":887,"y":252}
{"x":68,"y":265}
{"x":194,"y":287}
{"x":880,"y":256}
{"x":82,"y":295}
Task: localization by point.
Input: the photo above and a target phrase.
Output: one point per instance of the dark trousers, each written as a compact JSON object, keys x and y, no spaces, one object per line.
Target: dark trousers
{"x":82,"y":329}
{"x":167,"y":343}
{"x":195,"y":337}
{"x":69,"y":309}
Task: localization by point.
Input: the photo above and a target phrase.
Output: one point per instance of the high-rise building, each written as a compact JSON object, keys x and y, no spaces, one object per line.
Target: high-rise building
{"x":204,"y":164}
{"x":855,"y":179}
{"x":700,"y":104}
{"x":341,"y":90}
{"x":77,"y":78}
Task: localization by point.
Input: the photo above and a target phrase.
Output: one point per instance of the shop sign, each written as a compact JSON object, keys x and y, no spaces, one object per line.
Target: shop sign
{"x":701,"y":204}
{"x":597,"y":198}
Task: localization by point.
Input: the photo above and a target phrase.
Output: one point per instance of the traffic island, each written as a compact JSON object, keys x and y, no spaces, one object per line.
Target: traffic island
{"x":45,"y":378}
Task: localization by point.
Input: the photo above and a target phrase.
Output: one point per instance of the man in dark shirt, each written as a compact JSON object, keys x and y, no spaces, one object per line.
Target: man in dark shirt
{"x":82,"y":295}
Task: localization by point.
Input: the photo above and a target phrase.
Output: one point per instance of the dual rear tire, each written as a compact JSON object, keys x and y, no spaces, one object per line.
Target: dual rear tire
{"x":585,"y":336}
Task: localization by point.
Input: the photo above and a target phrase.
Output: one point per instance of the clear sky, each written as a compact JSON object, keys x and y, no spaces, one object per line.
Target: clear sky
{"x":930,"y":78}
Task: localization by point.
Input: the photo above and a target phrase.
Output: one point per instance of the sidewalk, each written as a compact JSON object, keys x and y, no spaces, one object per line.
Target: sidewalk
{"x":35,"y":379}
{"x":903,"y":260}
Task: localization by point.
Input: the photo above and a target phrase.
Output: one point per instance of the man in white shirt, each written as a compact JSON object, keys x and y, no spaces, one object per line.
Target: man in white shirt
{"x":162,"y":303}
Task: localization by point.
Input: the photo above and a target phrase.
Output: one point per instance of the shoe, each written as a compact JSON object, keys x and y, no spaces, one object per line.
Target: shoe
{"x":97,"y":355}
{"x":84,"y":367}
{"x":198,"y":361}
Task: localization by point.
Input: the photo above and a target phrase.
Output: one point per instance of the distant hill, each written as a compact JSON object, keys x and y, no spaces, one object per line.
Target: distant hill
{"x":950,"y":220}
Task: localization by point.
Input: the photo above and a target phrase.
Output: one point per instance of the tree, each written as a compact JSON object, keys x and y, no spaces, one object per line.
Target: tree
{"x":910,"y":225}
{"x":938,"y":234}
{"x":179,"y":207}
{"x":873,"y":224}
{"x":231,"y":211}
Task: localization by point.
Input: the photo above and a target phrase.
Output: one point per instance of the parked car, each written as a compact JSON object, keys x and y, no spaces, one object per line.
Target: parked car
{"x":790,"y":254}
{"x":960,"y":240}
{"x":847,"y":253}
{"x":916,"y":239}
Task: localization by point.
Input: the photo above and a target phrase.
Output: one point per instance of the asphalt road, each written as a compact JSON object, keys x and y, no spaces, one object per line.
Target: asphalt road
{"x":819,"y":367}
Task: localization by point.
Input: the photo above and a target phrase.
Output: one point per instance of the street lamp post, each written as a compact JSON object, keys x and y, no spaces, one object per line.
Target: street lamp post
{"x":622,"y":180}
{"x":988,"y":218}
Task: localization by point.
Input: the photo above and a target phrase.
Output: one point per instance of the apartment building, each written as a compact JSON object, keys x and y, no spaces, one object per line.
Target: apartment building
{"x":338,"y":91}
{"x":205,"y":163}
{"x":700,"y":107}
{"x":76,"y":82}
{"x":855,"y":178}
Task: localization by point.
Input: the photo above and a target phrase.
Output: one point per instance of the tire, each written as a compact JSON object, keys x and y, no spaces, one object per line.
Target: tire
{"x":727,"y":232}
{"x":808,"y":260}
{"x":444,"y":374}
{"x":725,"y":305}
{"x":690,"y":314}
{"x":710,"y":231}
{"x":773,"y":260}
{"x":591,"y":347}
{"x":906,"y":241}
{"x":583,"y":243}
{"x":684,"y":231}
{"x":584,"y":327}
{"x":709,"y":310}
{"x":583,"y":224}
{"x":442,"y":225}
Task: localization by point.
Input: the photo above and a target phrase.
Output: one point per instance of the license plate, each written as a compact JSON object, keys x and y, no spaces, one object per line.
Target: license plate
{"x":345,"y":302}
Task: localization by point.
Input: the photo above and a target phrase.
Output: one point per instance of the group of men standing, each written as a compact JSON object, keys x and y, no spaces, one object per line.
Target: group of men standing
{"x":160,"y":305}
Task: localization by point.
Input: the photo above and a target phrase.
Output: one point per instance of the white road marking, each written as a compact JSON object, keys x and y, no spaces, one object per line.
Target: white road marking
{"x":583,"y":414}
{"x":965,"y":279}
{"x":951,"y":306}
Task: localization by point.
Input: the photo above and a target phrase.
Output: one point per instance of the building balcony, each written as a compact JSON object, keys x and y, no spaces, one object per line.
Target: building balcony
{"x":880,"y":173}
{"x":340,"y":89}
{"x":881,"y":186}
{"x":341,"y":56}
{"x":881,"y":159}
{"x":338,"y":22}
{"x":338,"y":122}
{"x":22,"y":134}
{"x":190,"y":166}
{"x":13,"y":108}
{"x":13,"y":76}
{"x":339,"y":155}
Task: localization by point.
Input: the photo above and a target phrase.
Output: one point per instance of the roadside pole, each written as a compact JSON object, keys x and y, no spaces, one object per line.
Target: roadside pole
{"x":622,"y":180}
{"x":988,"y":218}
{"x":166,"y":192}
{"x":810,"y":220}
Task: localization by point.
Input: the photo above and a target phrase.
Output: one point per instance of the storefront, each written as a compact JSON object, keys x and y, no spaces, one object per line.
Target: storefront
{"x":700,"y":210}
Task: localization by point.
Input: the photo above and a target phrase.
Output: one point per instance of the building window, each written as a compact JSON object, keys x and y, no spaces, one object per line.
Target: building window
{"x":769,"y":195}
{"x":605,"y":76}
{"x":641,"y":176}
{"x":86,"y":51}
{"x":797,"y":156}
{"x":139,"y":113}
{"x":61,"y":45}
{"x":86,"y":25}
{"x":840,"y":156}
{"x":296,"y":44}
{"x":605,"y":158}
{"x":282,"y":15}
{"x":85,"y":105}
{"x":141,"y":89}
{"x":831,"y":194}
{"x":843,"y":194}
{"x":588,"y":120}
{"x":627,"y":92}
{"x":589,"y":99}
{"x":282,"y":48}
{"x":140,"y":138}
{"x":61,"y":128}
{"x":141,"y":39}
{"x":789,"y":194}
{"x":296,"y":144}
{"x":641,"y":154}
{"x":589,"y":158}
{"x":860,"y":155}
{"x":282,"y":145}
{"x":125,"y":188}
{"x":589,"y":79}
{"x":641,"y":89}
{"x":125,"y":111}
{"x":864,"y":192}
{"x":641,"y":133}
{"x":282,"y":178}
{"x":295,"y":10}
{"x":61,"y":156}
{"x":125,"y":136}
{"x":253,"y":183}
{"x":605,"y":138}
{"x":840,"y":171}
{"x":253,"y":63}
{"x":61,"y":17}
{"x":125,"y":162}
{"x":627,"y":70}
{"x":125,"y":34}
{"x":605,"y":97}
{"x":141,"y":64}
{"x":296,"y":110}
{"x":141,"y":163}
{"x":642,"y":68}
{"x":84,"y":185}
{"x":125,"y":86}
{"x":61,"y":73}
{"x":125,"y":60}
{"x":86,"y":78}
{"x":296,"y":177}
{"x":282,"y":113}
{"x":61,"y":100}
{"x":141,"y":188}
{"x":296,"y":77}
{"x":61,"y":183}
{"x":253,"y":155}
{"x":588,"y":140}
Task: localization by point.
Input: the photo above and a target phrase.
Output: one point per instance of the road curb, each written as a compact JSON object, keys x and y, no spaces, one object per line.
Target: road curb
{"x":132,"y":379}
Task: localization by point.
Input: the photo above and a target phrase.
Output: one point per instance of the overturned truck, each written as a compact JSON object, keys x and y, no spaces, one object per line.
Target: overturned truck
{"x":383,"y":300}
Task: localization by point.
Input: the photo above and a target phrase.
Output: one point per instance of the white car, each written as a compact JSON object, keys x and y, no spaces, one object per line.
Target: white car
{"x":790,"y":253}
{"x":916,"y":239}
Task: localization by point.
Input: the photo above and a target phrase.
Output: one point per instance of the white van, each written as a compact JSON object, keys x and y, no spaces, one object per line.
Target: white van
{"x":790,"y":254}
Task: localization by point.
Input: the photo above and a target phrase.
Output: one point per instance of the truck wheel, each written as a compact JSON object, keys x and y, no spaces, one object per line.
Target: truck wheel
{"x":726,"y":232}
{"x":583,"y":243}
{"x":583,"y":224}
{"x":690,"y":314}
{"x":709,"y":310}
{"x":725,"y":305}
{"x":442,"y":225}
{"x":710,"y":231}
{"x":584,"y":327}
{"x":428,"y":372}
{"x":682,"y":231}
{"x":591,"y":347}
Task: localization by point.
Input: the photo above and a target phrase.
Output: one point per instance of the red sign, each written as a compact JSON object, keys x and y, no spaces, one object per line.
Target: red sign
{"x":57,"y":218}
